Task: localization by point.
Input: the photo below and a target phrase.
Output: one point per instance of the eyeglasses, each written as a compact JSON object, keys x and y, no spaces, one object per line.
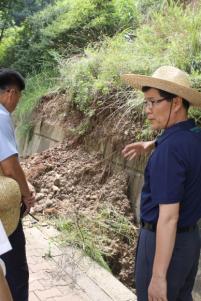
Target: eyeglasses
{"x":152,"y":103}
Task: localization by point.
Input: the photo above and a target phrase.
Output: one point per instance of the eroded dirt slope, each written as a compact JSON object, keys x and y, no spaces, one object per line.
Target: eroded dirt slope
{"x":70,"y":181}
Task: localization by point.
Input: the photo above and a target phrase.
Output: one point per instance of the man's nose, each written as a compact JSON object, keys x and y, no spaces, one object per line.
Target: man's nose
{"x":148,"y":109}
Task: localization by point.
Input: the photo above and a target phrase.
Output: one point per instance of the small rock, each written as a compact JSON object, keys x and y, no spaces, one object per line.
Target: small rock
{"x":44,"y":190}
{"x":55,"y":188}
{"x":39,"y":196}
{"x":49,"y":203}
{"x":62,"y":197}
{"x":51,"y":211}
{"x":57,"y":182}
{"x":38,"y":208}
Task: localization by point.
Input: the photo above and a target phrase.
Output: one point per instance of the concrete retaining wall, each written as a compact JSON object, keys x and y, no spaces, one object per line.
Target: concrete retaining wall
{"x":46,"y":135}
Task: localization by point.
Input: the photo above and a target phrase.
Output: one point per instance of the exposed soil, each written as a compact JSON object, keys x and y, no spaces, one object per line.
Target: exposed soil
{"x":69,"y":180}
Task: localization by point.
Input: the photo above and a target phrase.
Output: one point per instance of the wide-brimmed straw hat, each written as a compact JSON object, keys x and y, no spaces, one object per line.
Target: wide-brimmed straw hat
{"x":169,"y":79}
{"x":10,"y":203}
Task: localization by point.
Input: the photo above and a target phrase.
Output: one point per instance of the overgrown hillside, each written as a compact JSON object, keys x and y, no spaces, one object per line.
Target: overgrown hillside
{"x":138,"y":40}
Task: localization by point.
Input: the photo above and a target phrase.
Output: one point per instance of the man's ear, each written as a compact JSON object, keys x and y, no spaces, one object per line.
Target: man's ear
{"x":178,"y":103}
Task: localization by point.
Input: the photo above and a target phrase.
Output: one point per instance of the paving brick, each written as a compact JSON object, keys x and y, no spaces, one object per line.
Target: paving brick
{"x":33,"y":297}
{"x":64,"y":277}
{"x":35,"y":285}
{"x":32,"y":260}
{"x":48,"y":293}
{"x":39,"y":275}
{"x":70,"y":297}
{"x":54,"y":282}
{"x":41,"y":266}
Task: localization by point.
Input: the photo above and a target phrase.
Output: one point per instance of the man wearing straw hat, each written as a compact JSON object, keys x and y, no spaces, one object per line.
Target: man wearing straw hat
{"x":169,"y":242}
{"x":11,"y":85}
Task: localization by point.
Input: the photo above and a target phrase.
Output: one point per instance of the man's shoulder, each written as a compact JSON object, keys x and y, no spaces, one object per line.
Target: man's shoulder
{"x":3,"y":110}
{"x":179,"y":142}
{"x":4,"y":116}
{"x":5,"y":121}
{"x":184,"y":137}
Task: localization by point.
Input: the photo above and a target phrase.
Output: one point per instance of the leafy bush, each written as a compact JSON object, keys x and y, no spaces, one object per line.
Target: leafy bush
{"x":67,"y":27}
{"x":11,"y":37}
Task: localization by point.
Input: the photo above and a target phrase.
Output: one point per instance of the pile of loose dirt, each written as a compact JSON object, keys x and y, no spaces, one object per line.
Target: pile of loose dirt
{"x":68,"y":179}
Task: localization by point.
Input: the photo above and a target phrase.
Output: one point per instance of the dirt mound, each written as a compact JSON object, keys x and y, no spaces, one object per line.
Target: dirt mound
{"x":70,"y":181}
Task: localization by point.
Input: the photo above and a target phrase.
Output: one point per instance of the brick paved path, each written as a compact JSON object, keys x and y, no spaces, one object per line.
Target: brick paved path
{"x":65,"y":274}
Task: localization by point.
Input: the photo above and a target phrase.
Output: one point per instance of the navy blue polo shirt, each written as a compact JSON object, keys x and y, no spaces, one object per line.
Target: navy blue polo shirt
{"x":173,"y":174}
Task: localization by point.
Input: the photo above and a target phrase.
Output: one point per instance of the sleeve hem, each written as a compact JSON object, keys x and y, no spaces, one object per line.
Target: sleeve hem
{"x":2,"y":158}
{"x":167,"y":202}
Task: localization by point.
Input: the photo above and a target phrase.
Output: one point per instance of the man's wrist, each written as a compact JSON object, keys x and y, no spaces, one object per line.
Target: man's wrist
{"x":27,"y":196}
{"x":152,"y":145}
{"x":159,"y":276}
{"x":159,"y":273}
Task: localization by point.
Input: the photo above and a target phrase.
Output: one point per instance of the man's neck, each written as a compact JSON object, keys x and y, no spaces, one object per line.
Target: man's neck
{"x":181,"y":118}
{"x":2,"y":104}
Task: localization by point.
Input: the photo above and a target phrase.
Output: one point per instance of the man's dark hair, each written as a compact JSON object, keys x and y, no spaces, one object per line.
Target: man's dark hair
{"x":10,"y":77}
{"x":168,"y":96}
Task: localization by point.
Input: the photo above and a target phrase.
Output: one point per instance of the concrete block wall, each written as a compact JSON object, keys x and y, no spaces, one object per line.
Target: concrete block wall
{"x":44,"y":136}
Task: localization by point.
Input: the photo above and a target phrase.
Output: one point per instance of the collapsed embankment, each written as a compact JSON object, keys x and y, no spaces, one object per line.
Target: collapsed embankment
{"x":79,"y":178}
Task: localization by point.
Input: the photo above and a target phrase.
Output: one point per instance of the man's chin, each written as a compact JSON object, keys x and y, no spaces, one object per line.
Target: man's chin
{"x":155,"y":127}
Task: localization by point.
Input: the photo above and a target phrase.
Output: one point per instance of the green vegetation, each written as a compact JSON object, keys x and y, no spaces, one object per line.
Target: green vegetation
{"x":90,"y":43}
{"x":37,"y":86}
{"x":65,"y":27}
{"x":155,"y":44}
{"x":93,"y":234}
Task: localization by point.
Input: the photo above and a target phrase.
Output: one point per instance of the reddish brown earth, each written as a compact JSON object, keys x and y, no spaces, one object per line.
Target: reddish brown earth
{"x":70,"y":181}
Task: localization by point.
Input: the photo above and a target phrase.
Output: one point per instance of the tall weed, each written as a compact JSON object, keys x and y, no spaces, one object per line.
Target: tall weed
{"x":37,"y":86}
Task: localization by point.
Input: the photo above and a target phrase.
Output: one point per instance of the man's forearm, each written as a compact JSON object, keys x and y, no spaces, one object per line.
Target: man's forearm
{"x":165,"y":241}
{"x":4,"y":289}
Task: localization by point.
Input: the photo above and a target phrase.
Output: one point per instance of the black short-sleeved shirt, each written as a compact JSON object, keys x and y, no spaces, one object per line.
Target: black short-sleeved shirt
{"x":173,"y":174}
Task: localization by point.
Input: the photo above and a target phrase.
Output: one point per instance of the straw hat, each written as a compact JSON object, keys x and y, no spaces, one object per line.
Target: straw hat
{"x":169,"y":79}
{"x":10,"y":202}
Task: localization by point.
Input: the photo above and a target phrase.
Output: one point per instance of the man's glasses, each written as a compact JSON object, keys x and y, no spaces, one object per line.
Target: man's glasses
{"x":152,"y":103}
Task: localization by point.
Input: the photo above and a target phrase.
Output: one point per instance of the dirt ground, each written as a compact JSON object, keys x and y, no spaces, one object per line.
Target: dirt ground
{"x":69,"y":180}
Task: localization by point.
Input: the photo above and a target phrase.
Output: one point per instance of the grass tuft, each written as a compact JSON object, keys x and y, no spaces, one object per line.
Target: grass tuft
{"x":93,"y":234}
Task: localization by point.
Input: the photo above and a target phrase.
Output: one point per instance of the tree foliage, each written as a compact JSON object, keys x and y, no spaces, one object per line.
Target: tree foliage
{"x":6,"y":7}
{"x":66,"y":28}
{"x":13,"y":12}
